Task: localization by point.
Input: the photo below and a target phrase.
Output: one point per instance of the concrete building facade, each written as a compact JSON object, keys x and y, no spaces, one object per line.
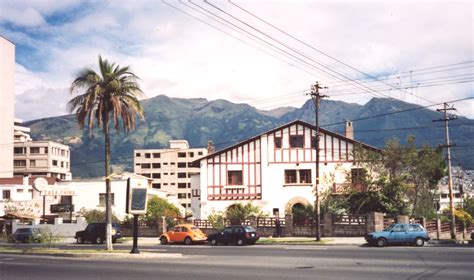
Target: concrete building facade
{"x":170,"y":169}
{"x":7,"y":78}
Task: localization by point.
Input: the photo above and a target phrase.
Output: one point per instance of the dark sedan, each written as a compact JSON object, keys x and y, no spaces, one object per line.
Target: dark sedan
{"x":27,"y":235}
{"x":238,"y":235}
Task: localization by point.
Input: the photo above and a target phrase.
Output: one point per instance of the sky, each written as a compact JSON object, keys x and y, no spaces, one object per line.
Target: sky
{"x":264,"y":53}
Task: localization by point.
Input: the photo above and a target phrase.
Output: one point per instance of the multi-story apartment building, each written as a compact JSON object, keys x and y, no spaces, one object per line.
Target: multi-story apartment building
{"x":7,"y":72}
{"x":39,"y":158}
{"x":171,"y":168}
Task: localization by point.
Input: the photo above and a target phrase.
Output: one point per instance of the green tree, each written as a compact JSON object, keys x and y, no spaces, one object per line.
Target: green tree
{"x":159,"y":207}
{"x":239,"y":212}
{"x":468,"y":205}
{"x":96,"y":216}
{"x":110,"y":96}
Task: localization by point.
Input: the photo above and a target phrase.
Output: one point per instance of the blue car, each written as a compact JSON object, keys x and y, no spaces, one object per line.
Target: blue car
{"x":399,"y":234}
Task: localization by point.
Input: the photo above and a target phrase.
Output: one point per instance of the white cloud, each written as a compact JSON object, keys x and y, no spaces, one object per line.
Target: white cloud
{"x":181,"y":57}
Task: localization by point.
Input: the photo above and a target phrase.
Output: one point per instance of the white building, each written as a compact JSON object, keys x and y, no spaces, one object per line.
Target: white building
{"x":274,"y":170}
{"x":89,"y":194}
{"x":7,"y":77}
{"x":170,"y":169}
{"x":39,"y":158}
{"x":19,"y":199}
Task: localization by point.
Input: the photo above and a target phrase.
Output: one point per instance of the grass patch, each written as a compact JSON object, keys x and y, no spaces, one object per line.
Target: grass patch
{"x":292,"y":241}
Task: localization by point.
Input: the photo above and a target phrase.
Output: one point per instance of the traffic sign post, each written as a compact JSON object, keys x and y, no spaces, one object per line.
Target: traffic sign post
{"x":137,"y":198}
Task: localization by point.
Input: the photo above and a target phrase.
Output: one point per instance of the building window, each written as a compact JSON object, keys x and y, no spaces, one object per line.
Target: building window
{"x":6,"y":194}
{"x":34,"y":150}
{"x":302,"y":176}
{"x":313,"y":142}
{"x":32,"y":163}
{"x":66,"y":199}
{"x":181,"y":155}
{"x":183,"y":205}
{"x":181,"y":164}
{"x":55,"y":162}
{"x":181,"y":195}
{"x":146,"y":175}
{"x":156,"y":185}
{"x":181,"y":175}
{"x":19,"y":163}
{"x":358,"y":175}
{"x":200,"y":153}
{"x":156,"y":175}
{"x":234,"y":178}
{"x":196,"y":193}
{"x":277,"y":142}
{"x":137,"y":154}
{"x":290,"y":176}
{"x":191,"y":154}
{"x":305,"y":176}
{"x":156,"y":155}
{"x":19,"y":151}
{"x":146,"y":165}
{"x":181,"y":185}
{"x":296,"y":141}
{"x":147,"y":155}
{"x":102,"y":199}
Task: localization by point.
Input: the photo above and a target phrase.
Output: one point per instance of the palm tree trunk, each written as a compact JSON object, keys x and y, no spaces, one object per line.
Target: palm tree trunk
{"x":108,"y":196}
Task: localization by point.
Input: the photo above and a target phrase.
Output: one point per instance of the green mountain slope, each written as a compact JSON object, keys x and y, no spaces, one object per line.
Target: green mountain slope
{"x":225,"y":123}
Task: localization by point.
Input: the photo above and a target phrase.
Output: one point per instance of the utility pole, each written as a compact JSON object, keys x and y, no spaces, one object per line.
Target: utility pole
{"x":446,"y":120}
{"x":316,"y":97}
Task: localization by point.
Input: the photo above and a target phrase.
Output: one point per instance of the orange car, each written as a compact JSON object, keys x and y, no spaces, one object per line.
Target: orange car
{"x":187,"y":234}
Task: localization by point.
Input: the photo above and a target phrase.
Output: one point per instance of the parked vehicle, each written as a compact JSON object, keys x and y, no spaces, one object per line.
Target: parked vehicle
{"x":95,"y":232}
{"x":27,"y":235}
{"x":399,"y":234}
{"x":238,"y":235}
{"x":187,"y":234}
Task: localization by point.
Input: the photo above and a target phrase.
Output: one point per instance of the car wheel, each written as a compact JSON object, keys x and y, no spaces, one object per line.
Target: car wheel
{"x":99,"y":240}
{"x":213,"y":242}
{"x":381,"y":242}
{"x":80,"y":240}
{"x":240,"y":242}
{"x":163,"y":240}
{"x":114,"y":240}
{"x":188,"y":241}
{"x":419,"y":242}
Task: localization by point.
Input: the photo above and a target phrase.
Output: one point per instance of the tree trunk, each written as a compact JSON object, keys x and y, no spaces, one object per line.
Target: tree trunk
{"x":108,"y":196}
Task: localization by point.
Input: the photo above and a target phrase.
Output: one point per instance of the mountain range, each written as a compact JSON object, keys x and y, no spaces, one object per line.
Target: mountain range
{"x":225,"y":123}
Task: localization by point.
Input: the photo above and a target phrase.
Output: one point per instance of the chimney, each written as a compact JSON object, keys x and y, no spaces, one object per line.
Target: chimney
{"x":349,"y":130}
{"x":210,"y":147}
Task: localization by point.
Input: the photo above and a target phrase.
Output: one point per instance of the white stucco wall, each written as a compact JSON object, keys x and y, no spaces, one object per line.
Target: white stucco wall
{"x":7,"y":78}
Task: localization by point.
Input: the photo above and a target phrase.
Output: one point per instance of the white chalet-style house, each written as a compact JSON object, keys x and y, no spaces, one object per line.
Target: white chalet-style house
{"x":274,"y":170}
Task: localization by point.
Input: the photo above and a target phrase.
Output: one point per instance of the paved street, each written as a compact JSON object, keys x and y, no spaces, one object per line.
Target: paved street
{"x":253,"y":262}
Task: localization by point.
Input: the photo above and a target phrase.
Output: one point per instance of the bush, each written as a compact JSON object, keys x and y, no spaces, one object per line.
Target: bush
{"x":96,"y":216}
{"x":159,"y":207}
{"x":217,"y":220}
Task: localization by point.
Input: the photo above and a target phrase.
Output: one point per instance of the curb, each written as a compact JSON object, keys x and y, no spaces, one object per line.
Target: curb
{"x":142,"y":255}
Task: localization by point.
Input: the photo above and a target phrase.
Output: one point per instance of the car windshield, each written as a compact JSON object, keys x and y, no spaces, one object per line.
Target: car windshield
{"x":390,"y":227}
{"x":249,"y":229}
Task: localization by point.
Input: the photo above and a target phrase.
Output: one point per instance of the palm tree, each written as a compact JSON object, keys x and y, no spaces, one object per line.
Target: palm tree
{"x":111,"y":95}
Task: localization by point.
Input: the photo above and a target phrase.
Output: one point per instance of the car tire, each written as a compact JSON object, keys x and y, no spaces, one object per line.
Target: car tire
{"x":252,"y":243}
{"x":188,"y":241}
{"x":381,"y":242}
{"x":213,"y":242}
{"x":419,"y":242}
{"x":240,"y":242}
{"x":163,"y":241}
{"x":80,"y":240}
{"x":114,"y":240}
{"x":99,"y":240}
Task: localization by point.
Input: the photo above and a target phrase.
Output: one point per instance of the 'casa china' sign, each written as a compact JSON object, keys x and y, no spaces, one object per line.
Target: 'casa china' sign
{"x":57,"y":191}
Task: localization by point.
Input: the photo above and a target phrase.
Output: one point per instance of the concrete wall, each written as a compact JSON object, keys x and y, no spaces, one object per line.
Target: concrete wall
{"x":58,"y":228}
{"x":7,"y":78}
